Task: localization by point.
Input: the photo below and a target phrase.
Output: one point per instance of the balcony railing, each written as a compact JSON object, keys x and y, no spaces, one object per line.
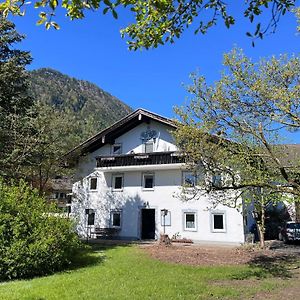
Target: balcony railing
{"x":153,"y":158}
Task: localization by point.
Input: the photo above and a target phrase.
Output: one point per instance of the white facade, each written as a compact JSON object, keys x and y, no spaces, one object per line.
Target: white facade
{"x":132,"y":198}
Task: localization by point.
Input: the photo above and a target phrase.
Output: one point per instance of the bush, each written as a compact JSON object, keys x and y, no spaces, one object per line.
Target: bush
{"x":33,"y":240}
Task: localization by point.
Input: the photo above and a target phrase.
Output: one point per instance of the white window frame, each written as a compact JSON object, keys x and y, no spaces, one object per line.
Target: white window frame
{"x":185,"y":213}
{"x":114,"y":145}
{"x":183,"y":179}
{"x":222,"y":213}
{"x":113,"y":181}
{"x":111,"y":218}
{"x":90,"y":184}
{"x":144,"y":182}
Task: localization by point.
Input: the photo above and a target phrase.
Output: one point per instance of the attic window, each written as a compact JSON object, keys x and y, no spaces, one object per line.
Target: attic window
{"x":116,"y":149}
{"x":148,"y":147}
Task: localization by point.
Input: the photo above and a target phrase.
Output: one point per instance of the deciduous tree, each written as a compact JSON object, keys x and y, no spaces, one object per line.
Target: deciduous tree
{"x":53,"y":133}
{"x":161,"y":21}
{"x":236,"y":128}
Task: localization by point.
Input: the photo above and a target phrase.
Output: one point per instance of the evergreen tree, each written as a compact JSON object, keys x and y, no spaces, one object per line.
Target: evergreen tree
{"x":14,"y":100}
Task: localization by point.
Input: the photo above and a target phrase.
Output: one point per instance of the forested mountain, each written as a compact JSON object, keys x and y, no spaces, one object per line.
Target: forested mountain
{"x":92,"y":107}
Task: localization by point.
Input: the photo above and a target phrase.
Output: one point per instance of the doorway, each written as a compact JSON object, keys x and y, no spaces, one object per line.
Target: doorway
{"x":148,"y":224}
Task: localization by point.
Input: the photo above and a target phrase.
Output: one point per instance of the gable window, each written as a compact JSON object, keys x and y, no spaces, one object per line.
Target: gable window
{"x":190,"y":219}
{"x":148,"y":181}
{"x":148,"y":147}
{"x":189,"y":179}
{"x":115,"y":219}
{"x":93,"y":183}
{"x":218,"y":222}
{"x":116,"y":149}
{"x":117,"y":182}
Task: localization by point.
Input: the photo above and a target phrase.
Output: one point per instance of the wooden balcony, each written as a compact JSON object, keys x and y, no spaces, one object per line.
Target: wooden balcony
{"x":140,"y":159}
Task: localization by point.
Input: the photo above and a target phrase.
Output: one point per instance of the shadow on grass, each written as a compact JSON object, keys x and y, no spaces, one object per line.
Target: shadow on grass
{"x":263,"y":266}
{"x":90,"y":255}
{"x":93,"y":254}
{"x":280,"y":265}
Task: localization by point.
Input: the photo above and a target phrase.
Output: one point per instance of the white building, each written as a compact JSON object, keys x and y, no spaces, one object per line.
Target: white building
{"x":130,"y":175}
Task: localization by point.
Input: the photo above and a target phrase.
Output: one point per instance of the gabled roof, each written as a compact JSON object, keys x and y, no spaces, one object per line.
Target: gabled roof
{"x":109,"y":134}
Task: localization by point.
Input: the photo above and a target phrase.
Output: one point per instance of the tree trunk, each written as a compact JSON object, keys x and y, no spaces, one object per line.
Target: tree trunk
{"x":261,"y":235}
{"x":261,"y":224}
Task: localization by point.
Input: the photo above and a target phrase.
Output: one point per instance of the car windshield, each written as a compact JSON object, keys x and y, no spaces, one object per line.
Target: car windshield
{"x":293,"y":226}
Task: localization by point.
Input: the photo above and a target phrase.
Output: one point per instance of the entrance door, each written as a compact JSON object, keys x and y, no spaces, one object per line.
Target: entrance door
{"x":148,"y":224}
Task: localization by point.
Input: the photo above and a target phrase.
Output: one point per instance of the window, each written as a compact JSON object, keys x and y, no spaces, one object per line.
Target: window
{"x":189,"y":179}
{"x":217,"y":180}
{"x":148,"y":147}
{"x":90,"y":216}
{"x":190,"y":221}
{"x":115,"y":218}
{"x":218,"y":222}
{"x":148,"y":181}
{"x":116,"y":149}
{"x":165,"y":217}
{"x":117,"y":182}
{"x":93,"y":183}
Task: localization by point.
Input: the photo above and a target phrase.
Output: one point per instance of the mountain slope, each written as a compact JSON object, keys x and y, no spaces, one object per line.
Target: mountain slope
{"x":92,"y":106}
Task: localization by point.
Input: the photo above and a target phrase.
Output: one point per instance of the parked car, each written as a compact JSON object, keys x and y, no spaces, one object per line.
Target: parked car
{"x":290,"y":232}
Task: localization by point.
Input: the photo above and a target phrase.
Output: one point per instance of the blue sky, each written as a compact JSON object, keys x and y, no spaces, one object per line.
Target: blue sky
{"x":92,"y":49}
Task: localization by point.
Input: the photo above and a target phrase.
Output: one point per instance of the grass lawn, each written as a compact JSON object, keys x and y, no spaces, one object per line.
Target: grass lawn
{"x":125,"y":272}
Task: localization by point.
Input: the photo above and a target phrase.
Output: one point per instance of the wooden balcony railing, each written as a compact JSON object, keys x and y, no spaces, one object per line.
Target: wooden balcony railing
{"x":153,"y":158}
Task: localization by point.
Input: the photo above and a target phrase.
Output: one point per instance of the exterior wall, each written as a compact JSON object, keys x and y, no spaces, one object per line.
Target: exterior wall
{"x":132,"y":199}
{"x":165,"y":195}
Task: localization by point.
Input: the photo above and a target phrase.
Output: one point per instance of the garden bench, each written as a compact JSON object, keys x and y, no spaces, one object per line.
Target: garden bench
{"x":105,"y":232}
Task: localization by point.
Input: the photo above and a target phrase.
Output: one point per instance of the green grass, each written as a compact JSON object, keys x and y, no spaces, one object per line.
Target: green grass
{"x":127,"y":273}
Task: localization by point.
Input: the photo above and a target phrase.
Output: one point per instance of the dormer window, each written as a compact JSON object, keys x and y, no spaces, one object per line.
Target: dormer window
{"x":116,"y":149}
{"x":148,"y":147}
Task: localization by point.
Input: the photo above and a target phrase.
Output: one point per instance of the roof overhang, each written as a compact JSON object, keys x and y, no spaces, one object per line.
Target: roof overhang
{"x":108,"y":135}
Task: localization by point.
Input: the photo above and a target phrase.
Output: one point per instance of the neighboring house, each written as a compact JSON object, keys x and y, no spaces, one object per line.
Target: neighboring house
{"x":59,"y":192}
{"x":130,"y":176}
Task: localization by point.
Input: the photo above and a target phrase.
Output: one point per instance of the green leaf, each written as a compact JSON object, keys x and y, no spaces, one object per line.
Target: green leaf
{"x":40,"y":22}
{"x":55,"y":25}
{"x":257,"y":29}
{"x":107,"y":2}
{"x":105,"y":10}
{"x":114,"y":13}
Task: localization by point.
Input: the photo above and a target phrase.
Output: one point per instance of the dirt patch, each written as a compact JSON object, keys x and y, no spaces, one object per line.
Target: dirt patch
{"x":281,"y":262}
{"x":207,"y":255}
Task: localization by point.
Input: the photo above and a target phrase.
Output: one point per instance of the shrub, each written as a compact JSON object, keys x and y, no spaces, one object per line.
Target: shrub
{"x":33,"y":240}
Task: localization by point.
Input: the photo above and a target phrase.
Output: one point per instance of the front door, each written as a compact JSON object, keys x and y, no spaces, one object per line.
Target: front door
{"x":148,"y":224}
